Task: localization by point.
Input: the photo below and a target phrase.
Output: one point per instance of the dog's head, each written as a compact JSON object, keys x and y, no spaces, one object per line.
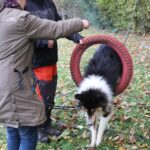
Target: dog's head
{"x":92,"y":99}
{"x":94,"y":92}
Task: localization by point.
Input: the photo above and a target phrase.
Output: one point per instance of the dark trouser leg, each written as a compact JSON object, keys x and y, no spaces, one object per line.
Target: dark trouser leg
{"x":47,"y":90}
{"x":46,"y":81}
{"x":47,"y":87}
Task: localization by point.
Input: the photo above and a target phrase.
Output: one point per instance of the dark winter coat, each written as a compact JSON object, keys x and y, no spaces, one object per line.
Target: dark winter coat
{"x":43,"y":55}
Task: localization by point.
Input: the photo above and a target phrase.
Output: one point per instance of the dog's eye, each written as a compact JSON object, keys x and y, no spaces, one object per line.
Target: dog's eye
{"x":92,"y":110}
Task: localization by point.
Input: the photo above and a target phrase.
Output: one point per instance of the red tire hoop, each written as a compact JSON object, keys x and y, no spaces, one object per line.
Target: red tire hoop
{"x":119,"y":48}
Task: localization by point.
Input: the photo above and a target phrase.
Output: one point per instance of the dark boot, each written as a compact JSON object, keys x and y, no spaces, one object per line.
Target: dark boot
{"x":52,"y":131}
{"x":48,"y":125}
{"x":43,"y":136}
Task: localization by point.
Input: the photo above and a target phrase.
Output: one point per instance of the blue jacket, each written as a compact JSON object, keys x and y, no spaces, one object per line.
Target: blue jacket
{"x":43,"y":55}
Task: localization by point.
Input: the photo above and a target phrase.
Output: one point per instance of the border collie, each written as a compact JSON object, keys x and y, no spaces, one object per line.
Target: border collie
{"x":95,"y":93}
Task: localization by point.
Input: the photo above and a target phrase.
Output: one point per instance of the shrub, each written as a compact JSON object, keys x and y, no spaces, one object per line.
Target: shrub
{"x":127,"y":14}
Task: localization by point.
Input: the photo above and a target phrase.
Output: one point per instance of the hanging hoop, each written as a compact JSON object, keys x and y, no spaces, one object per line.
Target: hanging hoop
{"x":119,"y":48}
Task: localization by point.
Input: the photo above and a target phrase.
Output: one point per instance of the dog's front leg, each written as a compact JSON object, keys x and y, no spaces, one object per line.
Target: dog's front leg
{"x":92,"y":124}
{"x":94,"y":133}
{"x":102,"y":126}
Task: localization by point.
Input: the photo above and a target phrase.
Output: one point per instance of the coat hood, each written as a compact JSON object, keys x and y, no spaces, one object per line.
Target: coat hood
{"x":8,"y":4}
{"x":1,"y":5}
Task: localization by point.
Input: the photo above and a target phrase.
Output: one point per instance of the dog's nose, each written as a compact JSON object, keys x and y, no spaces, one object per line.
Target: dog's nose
{"x":90,"y":124}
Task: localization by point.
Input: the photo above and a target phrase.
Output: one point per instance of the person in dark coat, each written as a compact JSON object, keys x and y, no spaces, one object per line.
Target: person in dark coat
{"x":45,"y":64}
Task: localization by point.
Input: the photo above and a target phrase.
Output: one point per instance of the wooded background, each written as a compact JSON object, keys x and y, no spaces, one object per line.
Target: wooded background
{"x":133,"y":15}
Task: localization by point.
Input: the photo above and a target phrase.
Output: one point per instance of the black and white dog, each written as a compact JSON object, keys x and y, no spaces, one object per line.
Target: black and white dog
{"x":96,"y":91}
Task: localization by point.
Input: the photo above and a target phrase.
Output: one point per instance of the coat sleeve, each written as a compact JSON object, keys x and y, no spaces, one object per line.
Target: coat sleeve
{"x":36,"y":28}
{"x":76,"y":37}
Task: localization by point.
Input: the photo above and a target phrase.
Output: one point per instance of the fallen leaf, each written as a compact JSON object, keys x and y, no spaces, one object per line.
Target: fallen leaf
{"x":125,"y":118}
{"x":132,"y":139}
{"x":121,"y":148}
{"x":134,"y":147}
{"x":147,"y":93}
{"x":132,"y":131}
{"x":117,"y":101}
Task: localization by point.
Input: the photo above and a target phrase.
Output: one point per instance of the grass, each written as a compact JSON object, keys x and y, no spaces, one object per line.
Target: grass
{"x":129,"y":128}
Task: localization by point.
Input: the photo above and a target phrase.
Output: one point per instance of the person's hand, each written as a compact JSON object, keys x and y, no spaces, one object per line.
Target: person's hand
{"x":50,"y":43}
{"x":85,"y":24}
{"x":80,"y":41}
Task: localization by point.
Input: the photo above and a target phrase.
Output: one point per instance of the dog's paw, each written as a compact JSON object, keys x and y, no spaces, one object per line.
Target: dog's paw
{"x":98,"y":142}
{"x":89,"y":147}
{"x":92,"y":144}
{"x":93,"y":141}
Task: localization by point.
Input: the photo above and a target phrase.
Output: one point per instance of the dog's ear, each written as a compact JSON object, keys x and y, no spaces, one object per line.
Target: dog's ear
{"x":78,"y":96}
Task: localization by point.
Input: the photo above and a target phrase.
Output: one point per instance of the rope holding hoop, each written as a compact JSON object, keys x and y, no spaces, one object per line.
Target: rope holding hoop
{"x":119,"y":48}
